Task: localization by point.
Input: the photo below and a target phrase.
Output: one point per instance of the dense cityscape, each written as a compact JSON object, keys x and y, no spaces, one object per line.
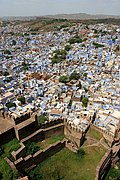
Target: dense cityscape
{"x":62,"y":83}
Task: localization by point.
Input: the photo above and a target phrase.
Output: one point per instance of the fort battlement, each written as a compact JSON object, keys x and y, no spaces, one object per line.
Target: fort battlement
{"x":41,"y":155}
{"x":15,"y":117}
{"x":73,"y":127}
{"x":76,"y":128}
{"x":30,"y":161}
{"x":5,"y":115}
{"x":51,"y":123}
{"x":104,"y":165}
{"x":42,"y":134}
{"x":38,"y":136}
{"x":104,"y":132}
{"x":74,"y":135}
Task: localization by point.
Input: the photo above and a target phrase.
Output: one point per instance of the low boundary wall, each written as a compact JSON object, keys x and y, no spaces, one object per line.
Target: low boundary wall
{"x":30,"y":160}
{"x":42,"y":134}
{"x":38,"y":136}
{"x":20,"y":152}
{"x":26,"y":130}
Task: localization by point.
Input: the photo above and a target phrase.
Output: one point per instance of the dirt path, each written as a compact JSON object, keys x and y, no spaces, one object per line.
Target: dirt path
{"x":96,"y":142}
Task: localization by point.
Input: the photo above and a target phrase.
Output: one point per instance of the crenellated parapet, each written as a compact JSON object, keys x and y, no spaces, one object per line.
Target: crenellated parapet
{"x":17,"y":118}
{"x":104,"y":165}
{"x":73,"y":127}
{"x":74,"y":133}
{"x":103,"y":131}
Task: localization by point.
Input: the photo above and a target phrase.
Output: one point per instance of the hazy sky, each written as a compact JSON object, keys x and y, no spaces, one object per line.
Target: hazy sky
{"x":46,"y":7}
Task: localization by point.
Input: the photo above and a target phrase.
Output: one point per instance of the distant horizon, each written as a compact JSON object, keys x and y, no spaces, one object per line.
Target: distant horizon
{"x":26,"y":8}
{"x":97,"y":14}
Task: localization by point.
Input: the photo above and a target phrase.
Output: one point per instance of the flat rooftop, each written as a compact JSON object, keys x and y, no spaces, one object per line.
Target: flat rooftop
{"x":5,"y":124}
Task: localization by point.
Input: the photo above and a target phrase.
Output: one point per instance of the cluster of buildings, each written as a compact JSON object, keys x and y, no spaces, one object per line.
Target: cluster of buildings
{"x":26,"y":70}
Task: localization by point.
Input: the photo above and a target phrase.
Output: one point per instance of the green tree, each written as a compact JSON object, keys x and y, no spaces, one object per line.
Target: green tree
{"x":64,"y":79}
{"x":75,"y":39}
{"x":10,"y":105}
{"x":16,"y":174}
{"x":84,"y":101}
{"x":25,"y":65}
{"x":114,"y":174}
{"x":31,"y":148}
{"x":86,"y":90}
{"x":7,"y":173}
{"x":55,"y":60}
{"x":70,"y":103}
{"x":85,"y":39}
{"x":83,"y":45}
{"x":68,"y":47}
{"x":41,"y":119}
{"x":27,"y":39}
{"x":59,"y":55}
{"x":85,"y":74}
{"x":1,"y":176}
{"x":74,"y":76}
{"x":22,"y":100}
{"x":97,"y":45}
{"x":7,"y":52}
